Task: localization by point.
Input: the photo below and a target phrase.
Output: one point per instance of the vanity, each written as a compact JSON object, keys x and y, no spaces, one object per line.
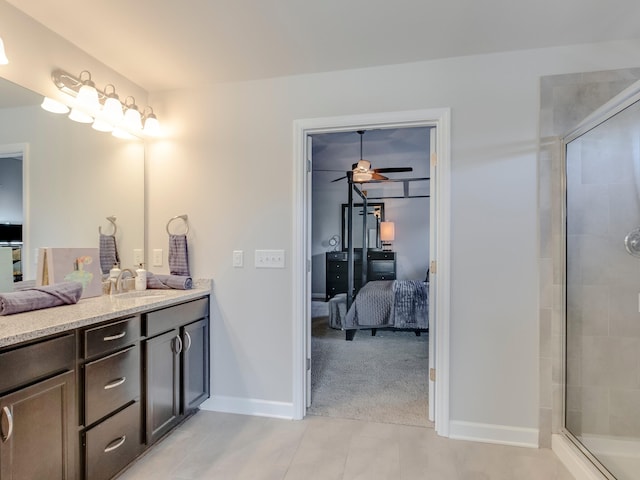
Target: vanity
{"x":87,"y":388}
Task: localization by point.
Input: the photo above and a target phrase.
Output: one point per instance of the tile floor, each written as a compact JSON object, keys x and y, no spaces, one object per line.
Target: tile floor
{"x":223,"y":446}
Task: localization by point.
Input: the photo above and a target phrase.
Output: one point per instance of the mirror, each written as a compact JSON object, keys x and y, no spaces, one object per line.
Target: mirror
{"x":73,"y":178}
{"x":375,"y":215}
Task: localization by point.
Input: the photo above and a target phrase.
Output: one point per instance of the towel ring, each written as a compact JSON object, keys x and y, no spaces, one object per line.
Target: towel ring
{"x":111,"y":219}
{"x":183,"y":217}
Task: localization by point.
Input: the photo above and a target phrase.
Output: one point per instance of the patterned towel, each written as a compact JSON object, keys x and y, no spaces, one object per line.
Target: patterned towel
{"x":178,"y":282}
{"x":108,"y":253}
{"x":178,"y":255}
{"x":36,"y":298}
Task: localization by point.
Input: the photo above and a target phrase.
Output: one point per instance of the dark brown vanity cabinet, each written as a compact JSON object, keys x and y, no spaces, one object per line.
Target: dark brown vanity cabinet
{"x":176,"y":364}
{"x":37,"y":410}
{"x":111,"y":397}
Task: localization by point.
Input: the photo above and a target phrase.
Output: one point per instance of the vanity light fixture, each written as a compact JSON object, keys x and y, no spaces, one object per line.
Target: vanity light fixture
{"x":132,"y":117}
{"x":151,"y":124}
{"x":3,"y":56}
{"x":54,"y":106}
{"x":103,"y":108}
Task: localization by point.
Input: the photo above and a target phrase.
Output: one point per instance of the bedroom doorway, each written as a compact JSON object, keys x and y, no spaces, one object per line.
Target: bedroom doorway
{"x":437,"y":121}
{"x":366,"y":374}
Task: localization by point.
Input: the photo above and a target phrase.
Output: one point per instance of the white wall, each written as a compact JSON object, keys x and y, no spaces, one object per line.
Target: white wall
{"x":229,"y":166}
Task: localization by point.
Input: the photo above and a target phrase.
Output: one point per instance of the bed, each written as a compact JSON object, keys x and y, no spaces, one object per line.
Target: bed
{"x":383,"y":304}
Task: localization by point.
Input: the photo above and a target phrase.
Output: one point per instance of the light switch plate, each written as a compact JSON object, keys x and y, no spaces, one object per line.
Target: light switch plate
{"x":138,"y":256}
{"x":238,"y":258}
{"x":157,"y":257}
{"x":269,"y":259}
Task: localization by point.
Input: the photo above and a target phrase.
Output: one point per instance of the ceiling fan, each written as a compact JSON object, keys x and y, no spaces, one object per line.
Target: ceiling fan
{"x":362,"y":171}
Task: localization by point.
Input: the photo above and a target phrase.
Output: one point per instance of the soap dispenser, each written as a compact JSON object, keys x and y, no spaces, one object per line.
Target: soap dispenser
{"x":141,"y":278}
{"x":114,"y":273}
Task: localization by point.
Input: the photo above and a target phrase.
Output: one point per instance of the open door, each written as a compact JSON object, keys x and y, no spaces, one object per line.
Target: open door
{"x":307,"y":322}
{"x":433,"y":270}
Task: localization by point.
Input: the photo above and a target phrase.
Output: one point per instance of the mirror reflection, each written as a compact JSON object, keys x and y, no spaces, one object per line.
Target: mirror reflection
{"x":71,"y":177}
{"x":375,"y":215}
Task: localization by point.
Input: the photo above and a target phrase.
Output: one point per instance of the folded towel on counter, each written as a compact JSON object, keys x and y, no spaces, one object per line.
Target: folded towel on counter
{"x":108,"y":253}
{"x":178,"y":255}
{"x":36,"y":298}
{"x":178,"y":282}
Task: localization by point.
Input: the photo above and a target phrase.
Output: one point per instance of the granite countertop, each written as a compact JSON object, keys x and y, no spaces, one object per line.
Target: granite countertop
{"x":21,"y":327}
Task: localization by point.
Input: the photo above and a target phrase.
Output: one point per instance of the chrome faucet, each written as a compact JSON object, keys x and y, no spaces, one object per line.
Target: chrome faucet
{"x":118,"y":283}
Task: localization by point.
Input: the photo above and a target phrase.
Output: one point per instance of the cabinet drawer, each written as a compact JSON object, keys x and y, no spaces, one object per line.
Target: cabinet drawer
{"x":27,"y":364}
{"x":111,"y":337}
{"x":381,"y":256}
{"x":110,"y":383}
{"x":172,"y":317}
{"x":113,"y":444}
{"x":382,"y":267}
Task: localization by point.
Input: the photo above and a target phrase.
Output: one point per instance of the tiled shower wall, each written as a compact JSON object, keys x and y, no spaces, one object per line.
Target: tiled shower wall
{"x":603,"y":280}
{"x":565,"y":100}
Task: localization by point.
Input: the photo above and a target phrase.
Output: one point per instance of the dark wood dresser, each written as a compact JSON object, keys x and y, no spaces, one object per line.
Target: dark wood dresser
{"x":380,"y":266}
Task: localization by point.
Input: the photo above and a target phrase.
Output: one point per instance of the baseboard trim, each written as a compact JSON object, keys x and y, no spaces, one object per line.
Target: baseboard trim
{"x":577,"y":464}
{"x":489,"y":433}
{"x":248,"y":406}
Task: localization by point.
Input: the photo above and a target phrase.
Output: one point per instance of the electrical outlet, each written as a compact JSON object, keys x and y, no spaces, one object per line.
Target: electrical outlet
{"x":138,"y":256}
{"x":269,"y":259}
{"x":238,"y":258}
{"x":157,"y":257}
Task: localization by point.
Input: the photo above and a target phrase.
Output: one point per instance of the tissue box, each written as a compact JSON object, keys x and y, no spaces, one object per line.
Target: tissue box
{"x":82,"y":265}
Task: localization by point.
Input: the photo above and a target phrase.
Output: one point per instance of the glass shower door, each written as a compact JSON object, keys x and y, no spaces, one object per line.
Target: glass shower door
{"x":602,"y":356}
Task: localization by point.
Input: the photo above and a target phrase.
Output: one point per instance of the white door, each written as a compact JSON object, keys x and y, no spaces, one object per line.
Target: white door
{"x":307,"y":321}
{"x":433,"y":225}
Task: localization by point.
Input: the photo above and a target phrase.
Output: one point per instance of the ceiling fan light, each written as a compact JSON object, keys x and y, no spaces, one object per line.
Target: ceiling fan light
{"x":359,"y":177}
{"x":363,"y":166}
{"x":54,"y":106}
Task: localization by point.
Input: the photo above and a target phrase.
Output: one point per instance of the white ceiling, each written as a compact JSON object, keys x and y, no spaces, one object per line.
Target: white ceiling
{"x":163,"y":44}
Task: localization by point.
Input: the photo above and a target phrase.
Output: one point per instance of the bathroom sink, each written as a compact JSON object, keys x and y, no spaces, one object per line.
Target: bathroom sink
{"x":139,"y":294}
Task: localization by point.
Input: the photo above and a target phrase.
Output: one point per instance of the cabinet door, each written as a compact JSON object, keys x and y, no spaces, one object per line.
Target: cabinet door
{"x":195,"y":338}
{"x":37,"y":431}
{"x":162,"y":384}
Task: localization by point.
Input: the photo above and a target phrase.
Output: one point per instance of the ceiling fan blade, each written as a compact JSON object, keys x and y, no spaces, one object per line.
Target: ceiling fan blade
{"x":377,"y":176}
{"x":338,"y":179}
{"x":393,"y":169}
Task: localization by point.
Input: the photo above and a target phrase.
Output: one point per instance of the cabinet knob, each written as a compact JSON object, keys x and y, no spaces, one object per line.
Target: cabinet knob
{"x":117,"y":443}
{"x":188,"y":338}
{"x":179,"y":345}
{"x":117,"y":336}
{"x":115,"y":383}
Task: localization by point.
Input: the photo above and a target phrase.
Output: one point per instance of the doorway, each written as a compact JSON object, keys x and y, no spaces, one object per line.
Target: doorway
{"x":302,"y":261}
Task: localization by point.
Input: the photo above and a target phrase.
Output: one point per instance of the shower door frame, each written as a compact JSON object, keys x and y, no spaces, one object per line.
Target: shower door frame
{"x":617,"y":104}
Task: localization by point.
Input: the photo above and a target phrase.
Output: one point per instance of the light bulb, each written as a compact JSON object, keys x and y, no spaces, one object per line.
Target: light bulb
{"x":79,"y":116}
{"x":132,"y":118}
{"x":54,"y":106}
{"x":151,"y":125}
{"x":3,"y":56}
{"x":102,"y":126}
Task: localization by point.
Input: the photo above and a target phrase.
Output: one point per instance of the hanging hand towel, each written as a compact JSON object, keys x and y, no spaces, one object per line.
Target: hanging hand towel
{"x":64,"y":293}
{"x":178,"y":255}
{"x":108,"y":253}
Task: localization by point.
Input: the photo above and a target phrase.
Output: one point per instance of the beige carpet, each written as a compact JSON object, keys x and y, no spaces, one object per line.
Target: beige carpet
{"x":381,"y":378}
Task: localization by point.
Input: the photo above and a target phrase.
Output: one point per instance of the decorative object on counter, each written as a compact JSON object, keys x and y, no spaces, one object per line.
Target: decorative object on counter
{"x":108,"y":247}
{"x":36,"y":298}
{"x":141,"y":278}
{"x":178,"y":282}
{"x":102,"y":108}
{"x":178,"y":254}
{"x":57,"y":265}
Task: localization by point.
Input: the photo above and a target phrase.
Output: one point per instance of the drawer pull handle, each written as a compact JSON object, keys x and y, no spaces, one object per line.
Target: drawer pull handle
{"x":7,"y":412}
{"x":115,"y":383}
{"x":118,"y":336}
{"x":117,"y":443}
{"x":179,"y":345}
{"x":186,"y":349}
